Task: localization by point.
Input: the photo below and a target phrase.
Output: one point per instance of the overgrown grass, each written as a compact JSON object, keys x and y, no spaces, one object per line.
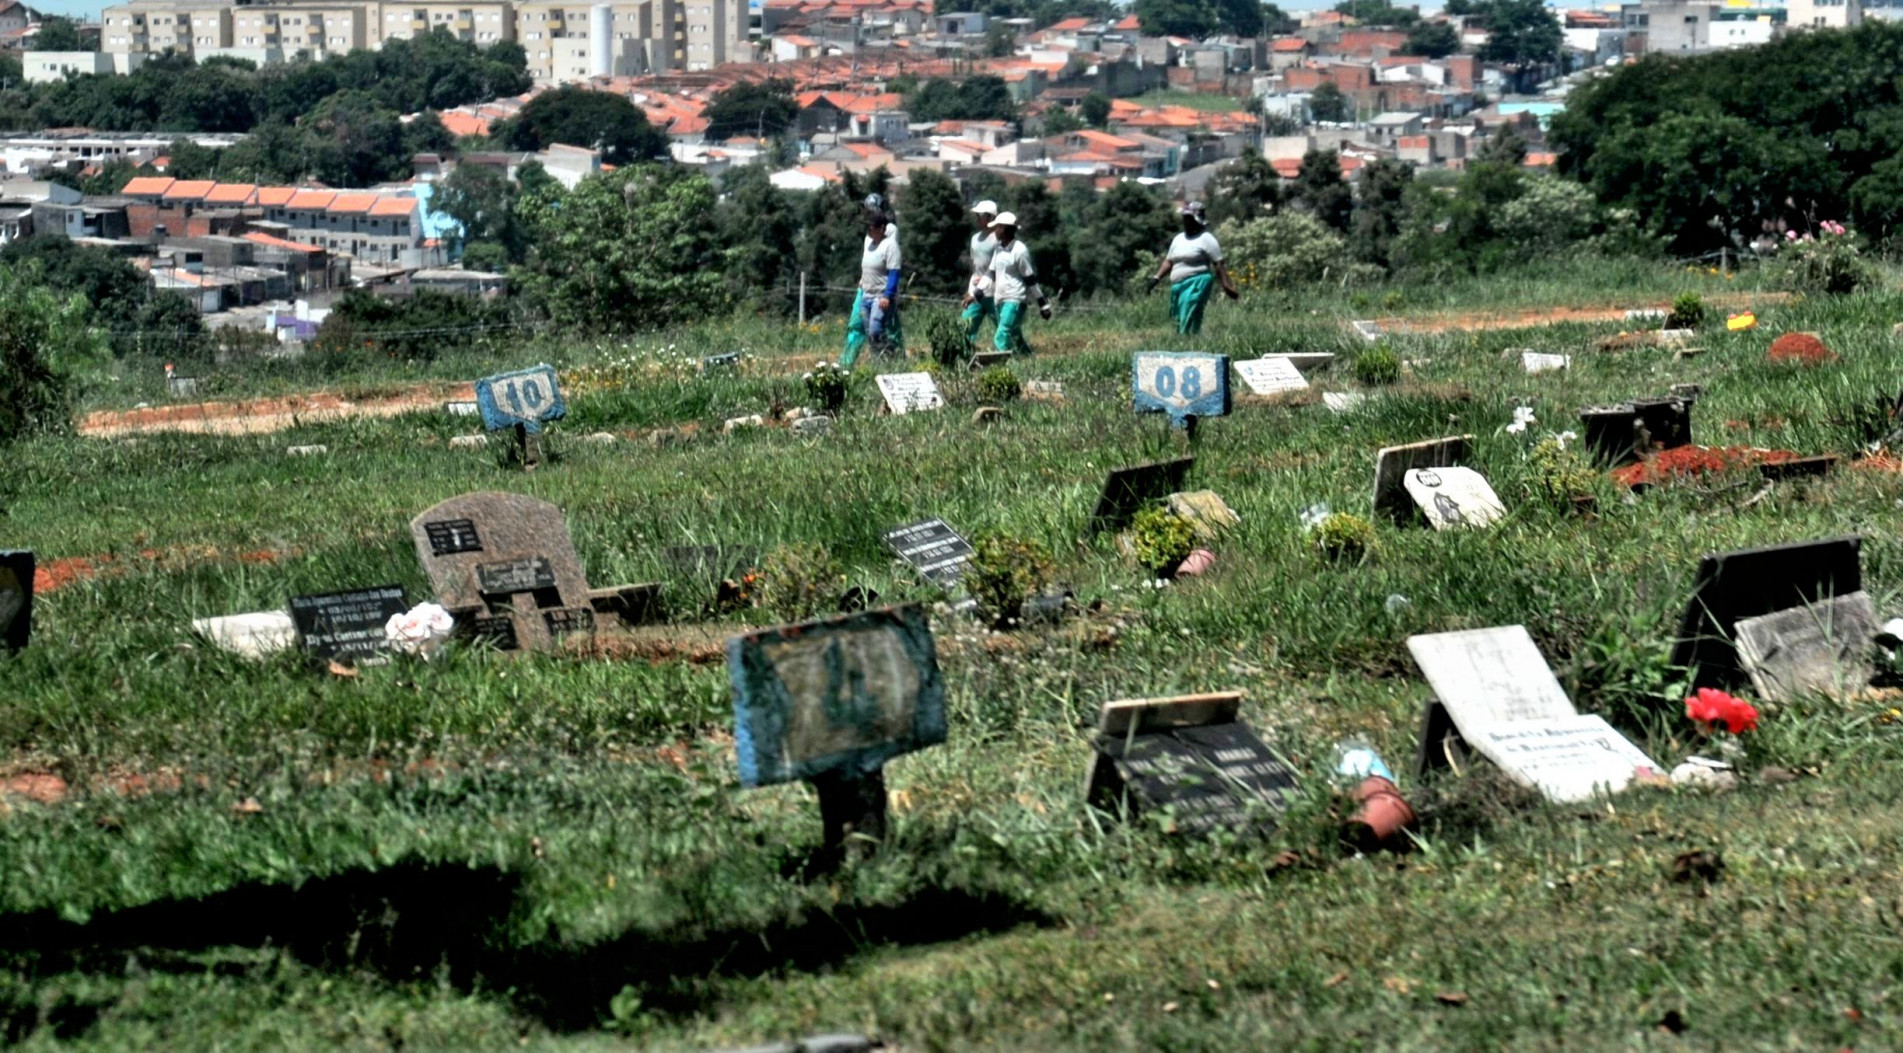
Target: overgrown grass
{"x":489,"y":851}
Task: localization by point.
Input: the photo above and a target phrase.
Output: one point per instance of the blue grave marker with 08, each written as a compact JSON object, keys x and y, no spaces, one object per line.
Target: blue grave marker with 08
{"x":527,"y":397}
{"x":1182,"y":384}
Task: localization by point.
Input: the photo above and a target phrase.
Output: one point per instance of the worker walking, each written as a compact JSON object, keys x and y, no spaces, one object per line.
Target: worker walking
{"x":1194,"y":266}
{"x":978,"y":302}
{"x":875,"y":306}
{"x":1013,"y":278}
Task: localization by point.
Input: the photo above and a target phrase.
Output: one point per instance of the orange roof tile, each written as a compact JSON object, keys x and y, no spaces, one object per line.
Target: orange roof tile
{"x":1068,"y":25}
{"x":143,"y":185}
{"x":460,"y":124}
{"x":189,"y":189}
{"x":312,"y":199}
{"x":1128,"y":24}
{"x":275,"y":195}
{"x":1286,"y":44}
{"x":394,"y":206}
{"x":259,"y":237}
{"x":231,"y":194}
{"x":1105,"y":140}
{"x":349,"y":204}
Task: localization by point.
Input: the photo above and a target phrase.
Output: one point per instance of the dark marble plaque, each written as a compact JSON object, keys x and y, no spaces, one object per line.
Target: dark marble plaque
{"x":1127,"y":490}
{"x":16,"y":599}
{"x":933,"y":549}
{"x":450,"y":536}
{"x":1207,"y":776}
{"x":347,"y":626}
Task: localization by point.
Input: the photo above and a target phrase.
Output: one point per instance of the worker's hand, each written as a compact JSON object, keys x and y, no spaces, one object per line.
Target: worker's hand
{"x":966,"y":302}
{"x":1232,"y":293}
{"x":1044,"y":310}
{"x":1154,"y":279}
{"x":885,"y":303}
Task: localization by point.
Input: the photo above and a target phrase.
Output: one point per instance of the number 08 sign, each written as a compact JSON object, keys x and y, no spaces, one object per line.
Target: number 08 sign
{"x":526,"y":397}
{"x":1182,"y":384}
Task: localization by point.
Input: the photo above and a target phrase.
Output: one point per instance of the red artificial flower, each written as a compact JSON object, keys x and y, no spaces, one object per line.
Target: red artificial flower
{"x":1711,"y":707}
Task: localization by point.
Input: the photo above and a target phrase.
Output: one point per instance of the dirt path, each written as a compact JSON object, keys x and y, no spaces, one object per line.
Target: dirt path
{"x":1532,"y":317}
{"x":262,"y":416}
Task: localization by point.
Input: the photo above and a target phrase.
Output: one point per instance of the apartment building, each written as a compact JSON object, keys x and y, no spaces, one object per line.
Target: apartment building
{"x":569,"y":41}
{"x":318,"y":28}
{"x":479,"y":23}
{"x":154,"y":26}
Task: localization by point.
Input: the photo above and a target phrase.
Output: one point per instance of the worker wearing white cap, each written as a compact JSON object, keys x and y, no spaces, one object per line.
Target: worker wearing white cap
{"x":984,"y":245}
{"x":1194,"y":266}
{"x":1013,"y":278}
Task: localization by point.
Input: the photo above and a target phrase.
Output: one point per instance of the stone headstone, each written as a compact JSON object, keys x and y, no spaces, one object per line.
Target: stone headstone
{"x":734,"y":424}
{"x":1621,"y":433}
{"x":932,"y":548}
{"x":1271,"y":376}
{"x":1189,"y":755}
{"x":1798,"y":467}
{"x":1536,"y":362}
{"x":462,"y":409}
{"x":1732,"y":586}
{"x":1567,"y":759}
{"x":987,"y":359}
{"x":1453,"y":497}
{"x":600,"y":438}
{"x":1127,"y":490}
{"x":906,"y":392}
{"x":1205,"y":511}
{"x":1183,"y":384}
{"x":348,"y":626}
{"x":1820,"y":648}
{"x":1391,"y":463}
{"x":1306,"y":361}
{"x":307,"y":451}
{"x":526,"y":399}
{"x":1489,"y":676}
{"x":1645,"y":314}
{"x":728,"y":361}
{"x":258,"y":634}
{"x":1044,"y":390}
{"x":505,"y":556}
{"x":1344,"y":401}
{"x":16,"y":599}
{"x":1368,"y":331}
{"x":468,"y":442}
{"x":182,"y":387}
{"x":832,"y":701}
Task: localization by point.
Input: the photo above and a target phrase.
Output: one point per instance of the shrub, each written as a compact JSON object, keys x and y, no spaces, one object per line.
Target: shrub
{"x":1378,"y":365}
{"x":42,"y":341}
{"x":1560,"y":473}
{"x":826,"y":385}
{"x":1827,"y":262}
{"x":1688,"y":312}
{"x":1004,"y":572}
{"x":1345,"y":538}
{"x":998,"y":384}
{"x":945,"y":332}
{"x":1290,"y":249}
{"x":799,"y":581}
{"x":1161,"y":538}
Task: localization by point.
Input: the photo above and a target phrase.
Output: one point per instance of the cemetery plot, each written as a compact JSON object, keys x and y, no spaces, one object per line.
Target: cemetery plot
{"x":1453,"y":497}
{"x":1392,"y":463}
{"x":1271,"y":376}
{"x":932,"y":548}
{"x":906,"y":392}
{"x":1819,"y":648}
{"x":525,"y":399}
{"x":347,"y":626}
{"x":1188,"y":755}
{"x":1127,"y":490}
{"x":1183,"y":384}
{"x":16,"y":599}
{"x":1621,"y":433}
{"x":1537,"y":362}
{"x":1732,"y":586}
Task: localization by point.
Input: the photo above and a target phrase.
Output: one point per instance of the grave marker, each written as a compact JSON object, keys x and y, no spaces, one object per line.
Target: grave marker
{"x":522,"y":401}
{"x":1489,"y":676}
{"x":1369,"y":331}
{"x":258,"y":634}
{"x":1188,"y":754}
{"x":1453,"y":497}
{"x":1392,"y":463}
{"x":1621,"y":433}
{"x":181,"y":387}
{"x":1339,"y":402}
{"x":830,"y":702}
{"x":933,"y":549}
{"x":1187,"y":385}
{"x":1567,"y":759}
{"x":987,"y":359}
{"x":1536,"y":362}
{"x":1732,"y":586}
{"x":1306,"y":361}
{"x":906,"y":392}
{"x":461,"y":408}
{"x":16,"y":599}
{"x":504,"y":556}
{"x":1205,"y":511}
{"x":1272,"y":375}
{"x":1127,"y":490}
{"x":348,"y":626}
{"x":728,"y":361}
{"x":1818,"y":648}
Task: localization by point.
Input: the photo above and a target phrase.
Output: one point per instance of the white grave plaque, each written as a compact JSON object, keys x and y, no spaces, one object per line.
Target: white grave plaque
{"x":905,"y":392}
{"x":254,"y":635}
{"x":1453,"y":497}
{"x":1536,"y":362}
{"x":1343,"y":401}
{"x":1272,"y":375}
{"x":1489,"y":676}
{"x":1566,"y":759}
{"x":1368,"y":331}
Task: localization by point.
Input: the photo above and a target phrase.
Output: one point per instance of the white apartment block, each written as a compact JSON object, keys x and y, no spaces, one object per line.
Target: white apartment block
{"x":564,"y":41}
{"x":1823,"y":14}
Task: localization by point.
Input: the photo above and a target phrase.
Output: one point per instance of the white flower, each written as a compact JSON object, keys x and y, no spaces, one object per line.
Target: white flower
{"x":420,"y":629}
{"x":1565,"y":437}
{"x":1522,"y":416}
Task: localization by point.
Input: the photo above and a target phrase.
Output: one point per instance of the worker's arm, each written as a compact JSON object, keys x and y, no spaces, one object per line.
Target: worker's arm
{"x":891,"y":289}
{"x":1162,"y":269}
{"x":1228,"y":287}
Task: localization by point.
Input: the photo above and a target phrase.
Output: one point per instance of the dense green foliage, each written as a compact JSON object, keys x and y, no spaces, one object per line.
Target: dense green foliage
{"x":979,"y":98}
{"x":760,"y":109}
{"x":580,"y":117}
{"x":43,"y":341}
{"x":115,"y":296}
{"x":1197,"y":19}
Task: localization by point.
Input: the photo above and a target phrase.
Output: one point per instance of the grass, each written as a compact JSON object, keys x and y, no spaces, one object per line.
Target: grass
{"x":552,"y":850}
{"x":1194,"y":100}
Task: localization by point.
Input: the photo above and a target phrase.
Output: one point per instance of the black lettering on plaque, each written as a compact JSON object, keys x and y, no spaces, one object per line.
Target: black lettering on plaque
{"x":516,"y":575}
{"x":450,"y":536}
{"x":569,"y":620}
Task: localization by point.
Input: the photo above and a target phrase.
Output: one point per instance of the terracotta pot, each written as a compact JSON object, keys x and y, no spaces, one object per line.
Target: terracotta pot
{"x":1382,"y":814}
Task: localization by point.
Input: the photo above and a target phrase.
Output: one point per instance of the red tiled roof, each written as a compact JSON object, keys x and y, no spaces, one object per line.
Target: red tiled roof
{"x":189,"y":189}
{"x":231,"y":194}
{"x":461,"y":124}
{"x":143,"y":185}
{"x":1068,"y":25}
{"x":348,"y":204}
{"x":275,"y":195}
{"x":258,"y":237}
{"x":394,"y":206}
{"x":312,"y":199}
{"x":1287,"y":44}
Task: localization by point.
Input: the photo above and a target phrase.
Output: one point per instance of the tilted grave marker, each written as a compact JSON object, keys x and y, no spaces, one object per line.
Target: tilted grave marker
{"x":1536,"y":362}
{"x":1819,"y":648}
{"x":1368,"y":331}
{"x":1621,"y":433}
{"x":522,"y":402}
{"x":1392,"y":463}
{"x":496,"y":558}
{"x":1453,"y":497}
{"x":1271,"y":376}
{"x":461,"y":408}
{"x":906,"y":392}
{"x":16,"y":599}
{"x":1127,"y":490}
{"x":1732,"y":586}
{"x":347,"y":627}
{"x":712,"y":363}
{"x":1566,"y":759}
{"x":933,"y":549}
{"x":1187,"y":385}
{"x":1189,"y":755}
{"x":830,"y":702}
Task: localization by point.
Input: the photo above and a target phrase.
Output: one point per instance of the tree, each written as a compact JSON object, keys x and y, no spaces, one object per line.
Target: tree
{"x":211,"y":98}
{"x":1194,"y":19}
{"x":1321,"y":191}
{"x":580,"y":117}
{"x":1276,"y":22}
{"x":1290,"y":250}
{"x":1095,"y":109}
{"x":351,"y":140}
{"x":1327,"y":103}
{"x":1119,"y":226}
{"x":1243,"y":189}
{"x":936,"y":230}
{"x":1378,"y":13}
{"x":1000,"y":40}
{"x":1433,"y":40}
{"x":980,"y":98}
{"x":759,"y":109}
{"x":631,"y":249}
{"x":1520,"y":33}
{"x":1060,"y":121}
{"x":57,"y":34}
{"x":44,"y":341}
{"x":482,"y":201}
{"x":1380,"y":209}
{"x":760,"y":228}
{"x":1241,"y":17}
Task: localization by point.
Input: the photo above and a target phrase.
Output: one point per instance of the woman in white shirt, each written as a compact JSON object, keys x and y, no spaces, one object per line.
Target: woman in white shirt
{"x":1013,"y":278}
{"x":875,"y":307}
{"x":1194,"y":266}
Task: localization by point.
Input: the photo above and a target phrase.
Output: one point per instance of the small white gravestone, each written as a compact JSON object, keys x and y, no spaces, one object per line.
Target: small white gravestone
{"x":307,"y":451}
{"x":254,"y":635}
{"x":601,"y":438}
{"x":1645,"y":314}
{"x":1671,"y":337}
{"x":1368,"y":331}
{"x":1343,"y":401}
{"x":1566,"y":759}
{"x":462,"y":409}
{"x":1306,"y":361}
{"x":1453,"y":497}
{"x":464,"y":442}
{"x":1820,"y":648}
{"x":1392,"y":463}
{"x":753,"y":420}
{"x":905,"y":392}
{"x":1048,"y":390}
{"x":1272,"y":375}
{"x":1536,"y":362}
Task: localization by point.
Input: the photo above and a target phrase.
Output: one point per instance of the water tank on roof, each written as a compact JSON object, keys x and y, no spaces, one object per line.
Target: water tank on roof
{"x":601,"y":36}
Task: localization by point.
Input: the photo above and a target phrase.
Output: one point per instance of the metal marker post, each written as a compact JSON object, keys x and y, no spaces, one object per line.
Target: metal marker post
{"x":852,"y":811}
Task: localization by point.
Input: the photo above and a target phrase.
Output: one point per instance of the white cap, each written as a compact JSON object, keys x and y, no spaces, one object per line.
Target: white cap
{"x":986,"y":208}
{"x":1005,"y":219}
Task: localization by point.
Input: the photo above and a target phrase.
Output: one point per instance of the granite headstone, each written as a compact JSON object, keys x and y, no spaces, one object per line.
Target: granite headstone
{"x":16,"y":599}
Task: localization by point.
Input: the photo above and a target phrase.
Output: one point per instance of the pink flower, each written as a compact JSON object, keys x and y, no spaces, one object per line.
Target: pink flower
{"x":1790,"y":235}
{"x":1711,"y":707}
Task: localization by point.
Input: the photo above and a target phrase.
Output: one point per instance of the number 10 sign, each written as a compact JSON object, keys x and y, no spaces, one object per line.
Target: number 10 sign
{"x":1183,"y":384}
{"x":526,"y":397}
